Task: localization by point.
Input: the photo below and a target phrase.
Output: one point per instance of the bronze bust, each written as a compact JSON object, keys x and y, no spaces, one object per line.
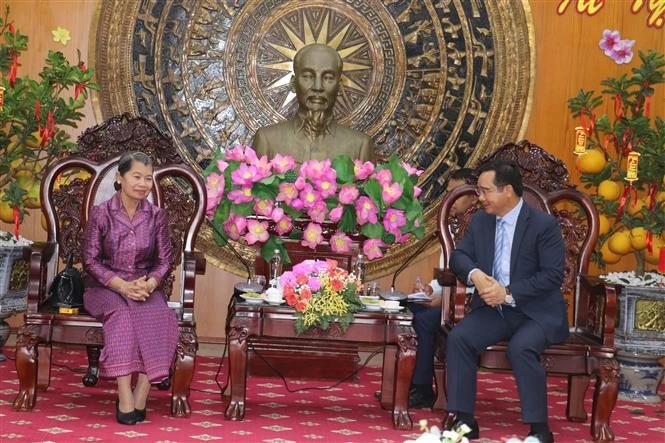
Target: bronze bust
{"x":313,"y":133}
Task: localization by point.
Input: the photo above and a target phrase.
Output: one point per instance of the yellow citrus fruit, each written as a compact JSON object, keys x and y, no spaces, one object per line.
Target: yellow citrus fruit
{"x":609,"y":257}
{"x":660,"y":196}
{"x":34,"y":140}
{"x":592,"y":162}
{"x":638,"y":238}
{"x":653,"y":256}
{"x":6,"y":212}
{"x":610,"y":190}
{"x":634,"y":207}
{"x":33,"y":198}
{"x":619,"y":242}
{"x":604,"y":223}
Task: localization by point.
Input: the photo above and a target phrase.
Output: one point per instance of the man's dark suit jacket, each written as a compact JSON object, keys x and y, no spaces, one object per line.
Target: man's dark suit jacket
{"x":536,"y":265}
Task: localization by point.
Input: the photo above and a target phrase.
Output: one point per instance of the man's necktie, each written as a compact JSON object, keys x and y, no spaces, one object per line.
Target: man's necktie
{"x":498,"y":254}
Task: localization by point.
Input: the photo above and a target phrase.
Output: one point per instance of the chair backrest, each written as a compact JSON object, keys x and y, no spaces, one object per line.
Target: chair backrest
{"x":546,"y":187}
{"x":75,"y":183}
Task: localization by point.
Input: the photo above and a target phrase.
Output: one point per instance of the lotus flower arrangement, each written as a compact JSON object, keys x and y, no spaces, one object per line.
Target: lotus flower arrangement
{"x":263,"y":201}
{"x":321,"y":292}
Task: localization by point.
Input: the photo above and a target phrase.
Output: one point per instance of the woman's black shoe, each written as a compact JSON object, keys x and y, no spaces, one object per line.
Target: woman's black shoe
{"x":125,"y":418}
{"x":140,"y":414}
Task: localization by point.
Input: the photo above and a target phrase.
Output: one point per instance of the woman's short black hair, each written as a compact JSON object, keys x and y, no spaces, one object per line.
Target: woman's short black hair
{"x":507,"y":172}
{"x":125,"y":163}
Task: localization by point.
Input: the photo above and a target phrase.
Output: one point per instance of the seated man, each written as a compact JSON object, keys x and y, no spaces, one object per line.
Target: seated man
{"x":513,"y":254}
{"x":427,"y":315}
{"x":313,"y":133}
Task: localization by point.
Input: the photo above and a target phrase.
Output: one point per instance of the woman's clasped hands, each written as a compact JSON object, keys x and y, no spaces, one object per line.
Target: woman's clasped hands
{"x":139,"y":289}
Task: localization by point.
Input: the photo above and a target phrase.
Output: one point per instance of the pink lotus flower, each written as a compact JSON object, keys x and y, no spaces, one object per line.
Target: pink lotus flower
{"x":623,"y":52}
{"x":336,"y":214}
{"x":256,"y":232}
{"x":282,"y":163}
{"x":391,"y":193}
{"x":236,"y":153}
{"x":340,"y":242}
{"x":327,"y":185}
{"x":214,"y":192}
{"x":284,"y":225}
{"x":242,"y":195}
{"x":309,"y":196}
{"x":366,"y":210}
{"x":263,"y":168}
{"x":411,"y":170}
{"x":372,"y":248}
{"x":384,"y":176}
{"x":263,"y":207}
{"x":312,"y":236}
{"x":417,"y":191}
{"x":277,"y":214}
{"x":297,"y":204}
{"x":250,"y":155}
{"x":402,"y":238}
{"x":222,"y":165}
{"x":362,"y":170}
{"x":609,"y":41}
{"x":393,"y":221}
{"x":315,"y":169}
{"x":287,"y":192}
{"x":235,"y":226}
{"x":348,"y":194}
{"x":318,"y":211}
{"x":245,"y":175}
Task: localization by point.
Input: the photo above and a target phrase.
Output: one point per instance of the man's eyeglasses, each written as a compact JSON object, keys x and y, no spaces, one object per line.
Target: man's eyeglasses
{"x":480,"y":191}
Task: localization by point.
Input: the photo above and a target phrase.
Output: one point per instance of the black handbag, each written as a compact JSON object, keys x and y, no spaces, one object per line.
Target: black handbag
{"x":67,"y":287}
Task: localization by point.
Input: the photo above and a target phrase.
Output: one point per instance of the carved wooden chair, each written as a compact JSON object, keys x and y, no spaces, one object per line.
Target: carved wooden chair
{"x":589,"y":351}
{"x":177,"y":188}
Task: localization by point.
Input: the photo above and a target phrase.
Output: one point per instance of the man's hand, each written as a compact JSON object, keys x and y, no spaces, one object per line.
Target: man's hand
{"x":493,"y":293}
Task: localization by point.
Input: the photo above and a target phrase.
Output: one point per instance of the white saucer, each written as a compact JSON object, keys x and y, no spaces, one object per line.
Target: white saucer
{"x":370,"y":307}
{"x":397,"y":309}
{"x":252,"y":300}
{"x":275,"y":303}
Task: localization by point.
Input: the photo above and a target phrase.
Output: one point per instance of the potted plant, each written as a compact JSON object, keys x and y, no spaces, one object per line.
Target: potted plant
{"x":624,"y":158}
{"x":33,"y":115}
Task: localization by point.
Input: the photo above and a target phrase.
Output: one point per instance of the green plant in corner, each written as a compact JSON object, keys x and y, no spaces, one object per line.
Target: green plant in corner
{"x":625,"y":161}
{"x":33,"y":114}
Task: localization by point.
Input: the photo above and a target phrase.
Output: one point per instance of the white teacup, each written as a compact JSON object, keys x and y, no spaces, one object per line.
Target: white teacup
{"x":391,"y":304}
{"x":274,"y":295}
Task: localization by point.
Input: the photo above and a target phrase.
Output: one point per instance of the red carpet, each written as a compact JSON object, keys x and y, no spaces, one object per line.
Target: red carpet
{"x":70,"y":412}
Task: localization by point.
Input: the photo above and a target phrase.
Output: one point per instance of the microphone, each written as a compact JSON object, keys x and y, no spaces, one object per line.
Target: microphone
{"x":394,"y":294}
{"x":249,"y":285}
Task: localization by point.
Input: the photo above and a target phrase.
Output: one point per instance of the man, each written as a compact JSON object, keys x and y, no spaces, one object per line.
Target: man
{"x":313,"y":133}
{"x":514,"y":256}
{"x":427,"y":315}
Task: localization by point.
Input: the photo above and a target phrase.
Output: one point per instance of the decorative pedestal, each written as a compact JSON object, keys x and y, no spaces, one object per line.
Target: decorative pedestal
{"x":640,"y":342}
{"x":13,"y":287}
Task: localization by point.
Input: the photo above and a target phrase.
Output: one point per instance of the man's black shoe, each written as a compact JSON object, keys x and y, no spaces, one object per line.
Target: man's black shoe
{"x":543,"y":437}
{"x":419,"y":398}
{"x":452,"y":423}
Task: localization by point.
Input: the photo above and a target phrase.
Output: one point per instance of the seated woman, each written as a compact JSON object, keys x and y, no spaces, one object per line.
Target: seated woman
{"x":127,"y":254}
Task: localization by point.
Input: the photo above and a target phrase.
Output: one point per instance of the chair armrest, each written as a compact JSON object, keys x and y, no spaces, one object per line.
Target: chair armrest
{"x":453,"y":303}
{"x":595,"y":312}
{"x":43,"y":262}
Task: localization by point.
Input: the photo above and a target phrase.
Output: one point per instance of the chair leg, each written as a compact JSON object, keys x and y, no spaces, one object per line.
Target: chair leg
{"x":441,"y":402}
{"x":183,"y":372}
{"x":26,"y":368}
{"x":92,"y":374}
{"x":43,"y":367}
{"x":604,"y":398}
{"x":577,"y":387}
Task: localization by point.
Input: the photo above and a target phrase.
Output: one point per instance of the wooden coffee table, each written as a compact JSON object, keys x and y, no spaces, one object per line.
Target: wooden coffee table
{"x":391,"y":330}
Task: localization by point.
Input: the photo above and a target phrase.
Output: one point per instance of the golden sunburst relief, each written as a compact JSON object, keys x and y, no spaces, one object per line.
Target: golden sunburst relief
{"x":309,"y":37}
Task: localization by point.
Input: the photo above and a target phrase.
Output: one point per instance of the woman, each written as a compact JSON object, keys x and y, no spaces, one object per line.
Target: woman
{"x":127,"y":255}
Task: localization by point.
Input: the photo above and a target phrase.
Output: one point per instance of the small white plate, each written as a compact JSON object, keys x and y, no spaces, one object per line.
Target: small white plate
{"x":275,"y":303}
{"x":372,"y":307}
{"x":255,"y":300}
{"x":397,"y":309}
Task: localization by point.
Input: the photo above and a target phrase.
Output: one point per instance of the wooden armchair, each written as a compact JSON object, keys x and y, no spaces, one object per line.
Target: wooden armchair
{"x":589,"y":351}
{"x":65,"y":205}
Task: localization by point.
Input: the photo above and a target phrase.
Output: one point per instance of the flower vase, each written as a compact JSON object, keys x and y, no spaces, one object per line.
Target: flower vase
{"x":640,"y":377}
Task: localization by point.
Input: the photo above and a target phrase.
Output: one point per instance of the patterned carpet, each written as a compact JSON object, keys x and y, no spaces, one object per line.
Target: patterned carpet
{"x":70,"y":412}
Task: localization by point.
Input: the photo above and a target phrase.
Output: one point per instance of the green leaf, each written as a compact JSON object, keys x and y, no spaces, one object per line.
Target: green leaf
{"x":348,"y":221}
{"x":372,"y":188}
{"x":373,"y":230}
{"x":344,"y":167}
